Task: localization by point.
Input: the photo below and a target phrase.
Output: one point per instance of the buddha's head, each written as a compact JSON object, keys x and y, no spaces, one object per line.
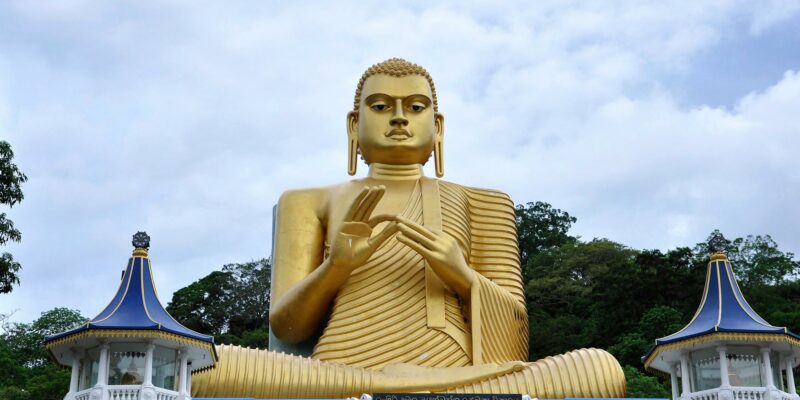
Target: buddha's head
{"x":395,"y":118}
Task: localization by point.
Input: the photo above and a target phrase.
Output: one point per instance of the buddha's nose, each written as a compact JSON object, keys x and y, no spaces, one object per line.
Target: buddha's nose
{"x":399,"y":118}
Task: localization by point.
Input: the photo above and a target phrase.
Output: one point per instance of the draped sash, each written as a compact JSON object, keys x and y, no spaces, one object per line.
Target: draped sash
{"x":395,"y":309}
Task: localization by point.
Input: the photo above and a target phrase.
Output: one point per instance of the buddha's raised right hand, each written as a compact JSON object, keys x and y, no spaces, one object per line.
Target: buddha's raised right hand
{"x":355,"y":242}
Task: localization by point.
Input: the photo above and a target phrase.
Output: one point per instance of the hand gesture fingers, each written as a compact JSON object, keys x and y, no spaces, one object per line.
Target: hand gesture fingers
{"x":381,"y":236}
{"x":421,"y":250}
{"x":354,"y":206}
{"x":374,"y":221}
{"x":357,"y":239}
{"x":368,"y":204}
{"x":441,"y":251}
{"x":418,"y":234}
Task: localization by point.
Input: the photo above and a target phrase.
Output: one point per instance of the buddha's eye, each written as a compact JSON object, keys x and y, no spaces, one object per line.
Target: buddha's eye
{"x":379,"y":106}
{"x":417,"y":107}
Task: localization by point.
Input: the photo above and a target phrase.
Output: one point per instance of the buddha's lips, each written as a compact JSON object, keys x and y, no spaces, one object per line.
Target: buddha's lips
{"x":398,"y":132}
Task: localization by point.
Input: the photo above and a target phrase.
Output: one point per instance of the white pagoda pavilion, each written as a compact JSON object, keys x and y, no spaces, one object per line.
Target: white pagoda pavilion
{"x":727,"y":351}
{"x":133,"y":349}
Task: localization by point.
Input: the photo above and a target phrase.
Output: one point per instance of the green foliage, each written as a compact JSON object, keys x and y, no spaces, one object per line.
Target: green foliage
{"x":204,"y":305}
{"x":541,"y":227}
{"x":232,"y":304}
{"x":48,"y":382}
{"x":757,"y":260}
{"x":27,"y":371}
{"x":606,"y":295}
{"x":11,"y":180}
{"x":640,"y":385}
{"x":14,"y":393}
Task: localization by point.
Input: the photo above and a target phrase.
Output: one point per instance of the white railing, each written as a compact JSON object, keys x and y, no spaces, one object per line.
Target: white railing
{"x":124,"y":392}
{"x":710,"y":394}
{"x":129,"y":392}
{"x":749,"y":393}
{"x":83,"y":395}
{"x":741,"y":393}
{"x":164,"y":394}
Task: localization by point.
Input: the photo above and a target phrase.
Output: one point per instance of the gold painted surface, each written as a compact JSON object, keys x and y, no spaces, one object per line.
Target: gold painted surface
{"x":420,"y":277}
{"x":265,"y":374}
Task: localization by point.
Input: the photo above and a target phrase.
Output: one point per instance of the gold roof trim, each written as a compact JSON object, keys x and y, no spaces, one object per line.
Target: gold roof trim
{"x":719,"y":256}
{"x":742,"y":336}
{"x":121,"y":333}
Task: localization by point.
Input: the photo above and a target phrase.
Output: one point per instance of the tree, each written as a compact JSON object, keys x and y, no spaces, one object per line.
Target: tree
{"x":250,"y":310}
{"x":540,"y":227}
{"x":581,"y":295}
{"x":640,"y":385}
{"x":204,"y":306}
{"x":231,"y":304}
{"x":756,"y":260}
{"x":11,"y":180}
{"x":27,"y":372}
{"x":657,"y":322}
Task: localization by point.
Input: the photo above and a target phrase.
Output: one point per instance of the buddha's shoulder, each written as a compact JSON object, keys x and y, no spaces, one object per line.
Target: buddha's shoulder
{"x":315,"y":197}
{"x":476,"y":194}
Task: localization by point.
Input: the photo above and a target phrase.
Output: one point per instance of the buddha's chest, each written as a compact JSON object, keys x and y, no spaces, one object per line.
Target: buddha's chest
{"x":396,"y":199}
{"x":414,"y":200}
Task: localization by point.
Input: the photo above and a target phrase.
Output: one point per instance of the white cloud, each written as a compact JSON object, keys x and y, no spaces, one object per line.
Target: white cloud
{"x":188,"y":120}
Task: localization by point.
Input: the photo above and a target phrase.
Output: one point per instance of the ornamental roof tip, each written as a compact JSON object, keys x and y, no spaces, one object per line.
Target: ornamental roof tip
{"x":717,"y":243}
{"x":136,"y":305}
{"x":141,"y":240}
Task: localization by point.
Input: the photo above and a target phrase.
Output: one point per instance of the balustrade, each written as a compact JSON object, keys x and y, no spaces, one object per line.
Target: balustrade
{"x":124,"y":392}
{"x":163,"y":394}
{"x":83,"y":395}
{"x":749,"y":393}
{"x":710,"y":394}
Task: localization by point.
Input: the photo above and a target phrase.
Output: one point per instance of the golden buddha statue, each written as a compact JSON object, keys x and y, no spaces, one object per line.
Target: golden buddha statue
{"x":414,"y":282}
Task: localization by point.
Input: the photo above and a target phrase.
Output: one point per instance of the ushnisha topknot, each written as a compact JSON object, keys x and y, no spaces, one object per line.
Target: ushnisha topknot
{"x":397,"y":67}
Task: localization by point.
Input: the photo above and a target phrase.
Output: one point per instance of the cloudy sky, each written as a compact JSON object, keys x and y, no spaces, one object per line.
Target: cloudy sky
{"x":652,"y":122}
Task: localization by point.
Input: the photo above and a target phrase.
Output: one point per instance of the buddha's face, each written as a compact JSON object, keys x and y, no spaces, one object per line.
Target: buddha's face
{"x":396,"y":123}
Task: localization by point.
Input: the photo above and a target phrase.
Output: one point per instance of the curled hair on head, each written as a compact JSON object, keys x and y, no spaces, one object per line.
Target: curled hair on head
{"x":396,"y":67}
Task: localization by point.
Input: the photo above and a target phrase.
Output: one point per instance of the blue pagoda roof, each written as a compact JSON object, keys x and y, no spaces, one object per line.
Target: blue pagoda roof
{"x":136,"y":306}
{"x":723,"y":307}
{"x":723,"y":313}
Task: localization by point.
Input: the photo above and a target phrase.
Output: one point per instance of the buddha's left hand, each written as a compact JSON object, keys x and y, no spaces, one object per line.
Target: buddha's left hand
{"x":442,"y":253}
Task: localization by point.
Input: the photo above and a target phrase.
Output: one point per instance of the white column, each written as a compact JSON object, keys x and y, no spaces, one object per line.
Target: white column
{"x":188,"y":378}
{"x":102,"y":367}
{"x":790,"y":375}
{"x":99,"y":391}
{"x":767,"y":367}
{"x":723,"y":367}
{"x":148,"y":364}
{"x":184,"y":371}
{"x":685,"y":375}
{"x":781,"y":366}
{"x":76,"y":366}
{"x":673,"y":380}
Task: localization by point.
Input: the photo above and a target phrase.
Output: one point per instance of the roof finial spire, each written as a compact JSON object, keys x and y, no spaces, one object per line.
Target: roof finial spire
{"x":717,"y":244}
{"x":140,"y":242}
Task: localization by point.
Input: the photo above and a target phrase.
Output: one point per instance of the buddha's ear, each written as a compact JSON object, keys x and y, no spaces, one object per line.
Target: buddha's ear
{"x":352,"y":142}
{"x":352,"y":124}
{"x":438,"y":144}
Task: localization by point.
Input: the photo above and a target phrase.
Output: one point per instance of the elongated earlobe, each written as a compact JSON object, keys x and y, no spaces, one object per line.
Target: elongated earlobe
{"x":438,"y":147}
{"x":352,"y":142}
{"x":352,"y":156}
{"x":438,"y":158}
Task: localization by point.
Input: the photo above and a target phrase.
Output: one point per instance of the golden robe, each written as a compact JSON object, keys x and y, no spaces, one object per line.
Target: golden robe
{"x":423,"y":323}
